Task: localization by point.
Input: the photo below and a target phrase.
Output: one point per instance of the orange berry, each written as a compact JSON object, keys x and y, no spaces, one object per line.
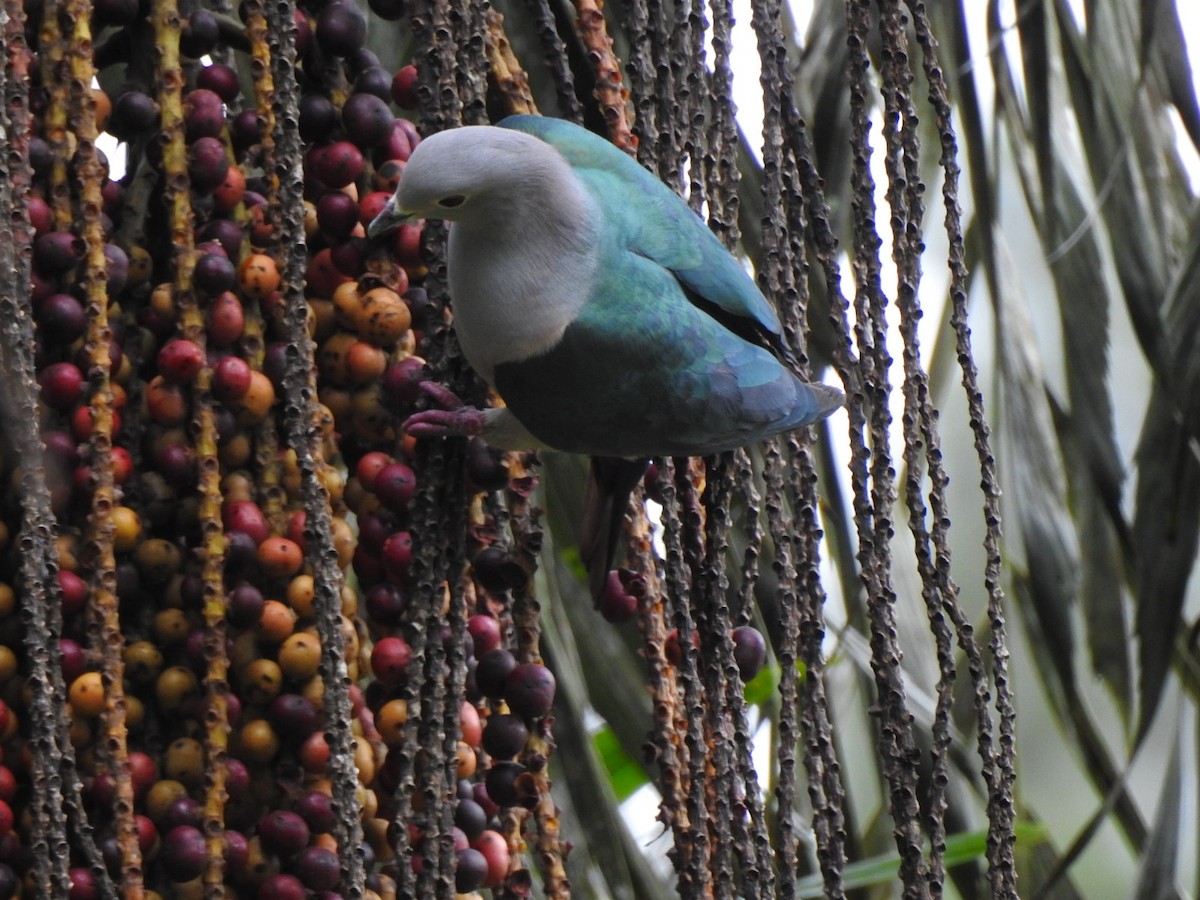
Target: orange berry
{"x":8,"y":600}
{"x":365,"y":362}
{"x":300,"y":656}
{"x":279,"y":557}
{"x":86,"y":694}
{"x":184,"y":762}
{"x":467,"y":760}
{"x":262,"y":679}
{"x":127,"y":529}
{"x":256,"y":403}
{"x":171,"y":626}
{"x":258,"y":275}
{"x":8,"y":663}
{"x":314,"y":753}
{"x":143,"y":662}
{"x":300,"y":593}
{"x":277,"y":622}
{"x":177,"y":690}
{"x":258,"y":742}
{"x":389,"y":721}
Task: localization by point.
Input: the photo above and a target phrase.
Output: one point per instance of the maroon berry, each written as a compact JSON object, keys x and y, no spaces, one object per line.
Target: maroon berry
{"x":74,"y":591}
{"x":203,"y":114}
{"x":749,"y":651}
{"x":501,"y":782}
{"x":56,"y":252}
{"x":83,"y":884}
{"x":485,"y":465}
{"x":390,"y":659}
{"x":71,"y":659}
{"x":184,"y":811}
{"x":471,"y":872}
{"x":214,"y":273}
{"x":62,"y":386}
{"x":316,"y":808}
{"x":318,"y":117}
{"x":40,"y":217}
{"x":221,"y":79}
{"x":385,"y":604}
{"x":184,"y":853}
{"x":341,"y":29}
{"x":366,"y":120}
{"x":396,"y":148}
{"x":394,"y":486}
{"x":207,"y":165}
{"x":62,"y":318}
{"x":470,"y":818}
{"x":529,"y":690}
{"x":492,"y":672}
{"x":498,"y":570}
{"x":200,"y":34}
{"x":397,"y":555}
{"x":485,"y":634}
{"x":225,"y":232}
{"x":404,"y":87}
{"x":282,"y":887}
{"x":617,"y":604}
{"x":116,"y":269}
{"x":402,"y":381}
{"x":337,"y":214}
{"x":237,"y":849}
{"x":246,"y":129}
{"x":283,"y":832}
{"x":318,"y":868}
{"x":177,"y":464}
{"x":504,"y":736}
{"x":180,"y":360}
{"x":294,"y":716}
{"x":338,"y":164}
{"x":135,"y":113}
{"x":374,"y":80}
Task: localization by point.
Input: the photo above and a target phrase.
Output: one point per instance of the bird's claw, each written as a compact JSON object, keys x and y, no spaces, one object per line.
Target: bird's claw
{"x":454,"y":419}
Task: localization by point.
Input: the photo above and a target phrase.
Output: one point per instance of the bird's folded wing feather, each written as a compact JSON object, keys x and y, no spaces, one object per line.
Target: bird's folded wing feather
{"x":654,"y":222}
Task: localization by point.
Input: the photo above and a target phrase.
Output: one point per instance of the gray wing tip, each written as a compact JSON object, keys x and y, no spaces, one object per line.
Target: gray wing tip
{"x":827,"y":398}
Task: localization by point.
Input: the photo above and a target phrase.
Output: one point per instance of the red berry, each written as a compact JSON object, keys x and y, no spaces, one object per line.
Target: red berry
{"x":403,"y":87}
{"x":231,"y":379}
{"x":390,"y":659}
{"x":180,"y":360}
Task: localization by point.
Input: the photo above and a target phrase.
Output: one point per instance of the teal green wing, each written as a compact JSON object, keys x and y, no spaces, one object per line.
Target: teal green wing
{"x":644,"y":372}
{"x":649,"y":219}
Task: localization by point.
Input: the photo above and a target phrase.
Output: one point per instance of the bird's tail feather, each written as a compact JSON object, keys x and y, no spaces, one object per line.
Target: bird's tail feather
{"x":605,"y":500}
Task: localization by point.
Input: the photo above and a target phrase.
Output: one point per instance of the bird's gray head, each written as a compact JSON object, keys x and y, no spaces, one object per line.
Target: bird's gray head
{"x":462,"y":173}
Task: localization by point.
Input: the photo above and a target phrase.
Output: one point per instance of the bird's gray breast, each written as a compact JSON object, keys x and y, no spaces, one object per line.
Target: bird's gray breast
{"x":514,"y":293}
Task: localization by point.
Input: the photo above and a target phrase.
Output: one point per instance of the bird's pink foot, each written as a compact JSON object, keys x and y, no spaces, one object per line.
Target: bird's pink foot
{"x":454,"y":419}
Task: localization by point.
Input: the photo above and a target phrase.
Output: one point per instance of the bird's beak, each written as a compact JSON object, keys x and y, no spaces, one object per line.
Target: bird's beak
{"x":389,"y":219}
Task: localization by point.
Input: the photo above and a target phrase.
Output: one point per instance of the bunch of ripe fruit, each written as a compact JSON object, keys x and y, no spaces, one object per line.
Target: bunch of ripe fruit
{"x":201,"y":494}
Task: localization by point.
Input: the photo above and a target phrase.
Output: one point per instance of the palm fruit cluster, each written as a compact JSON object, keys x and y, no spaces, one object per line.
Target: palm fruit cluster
{"x":227,"y":592}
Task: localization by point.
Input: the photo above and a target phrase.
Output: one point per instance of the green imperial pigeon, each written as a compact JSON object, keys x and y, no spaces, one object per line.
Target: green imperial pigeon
{"x":610,"y":320}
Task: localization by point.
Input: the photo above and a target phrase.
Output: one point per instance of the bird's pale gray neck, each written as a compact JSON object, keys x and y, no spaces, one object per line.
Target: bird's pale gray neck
{"x":520,"y":269}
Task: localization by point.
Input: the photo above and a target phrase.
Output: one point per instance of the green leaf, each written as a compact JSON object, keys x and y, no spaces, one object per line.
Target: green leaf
{"x":625,"y":775}
{"x":762,"y":687}
{"x":884,"y":869}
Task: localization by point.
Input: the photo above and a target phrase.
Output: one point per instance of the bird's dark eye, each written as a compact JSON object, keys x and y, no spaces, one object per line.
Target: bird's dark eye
{"x":452,"y":201}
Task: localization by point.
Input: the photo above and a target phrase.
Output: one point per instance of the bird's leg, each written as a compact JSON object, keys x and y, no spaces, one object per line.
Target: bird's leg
{"x":453,"y":419}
